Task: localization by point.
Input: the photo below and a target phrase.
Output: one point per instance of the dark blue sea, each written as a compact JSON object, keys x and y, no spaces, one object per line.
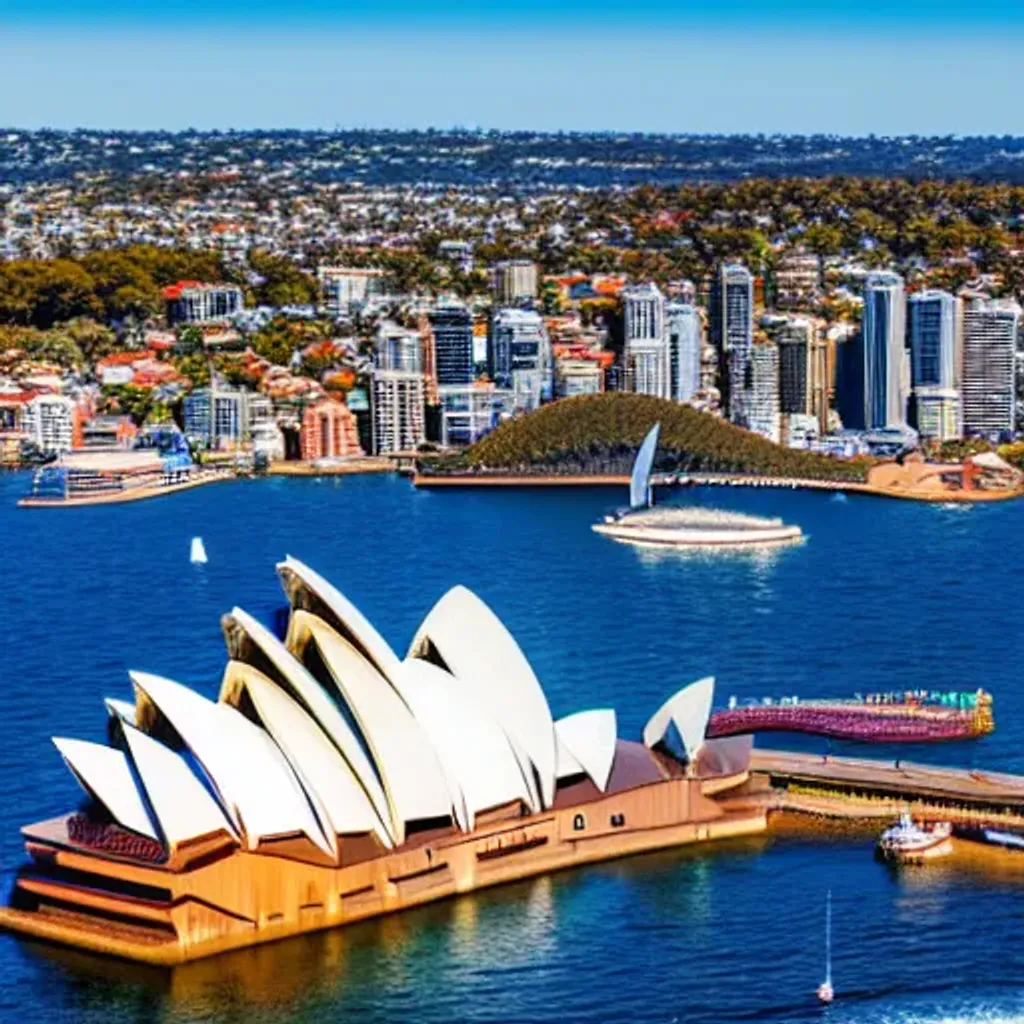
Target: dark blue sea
{"x":882,"y":595}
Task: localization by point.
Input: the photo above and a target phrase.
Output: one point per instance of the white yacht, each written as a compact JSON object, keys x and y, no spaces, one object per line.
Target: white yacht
{"x":906,"y":842}
{"x":676,"y":526}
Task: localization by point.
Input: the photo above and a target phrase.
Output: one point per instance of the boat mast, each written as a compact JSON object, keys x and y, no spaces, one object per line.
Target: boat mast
{"x":828,"y":938}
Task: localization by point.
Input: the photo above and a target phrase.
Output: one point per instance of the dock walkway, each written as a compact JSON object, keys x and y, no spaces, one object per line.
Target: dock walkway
{"x":861,"y":787}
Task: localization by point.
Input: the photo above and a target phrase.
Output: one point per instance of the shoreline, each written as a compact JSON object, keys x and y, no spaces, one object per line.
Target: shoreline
{"x":713,"y":480}
{"x":369,"y":464}
{"x":121,"y":497}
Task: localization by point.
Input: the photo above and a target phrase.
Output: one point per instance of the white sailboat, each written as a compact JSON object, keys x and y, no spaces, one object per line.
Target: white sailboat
{"x":197,"y":553}
{"x":680,"y":527}
{"x":825,"y":991}
{"x":641,"y":494}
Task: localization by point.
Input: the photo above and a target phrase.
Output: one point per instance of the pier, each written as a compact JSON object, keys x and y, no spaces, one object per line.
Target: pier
{"x":848,"y":787}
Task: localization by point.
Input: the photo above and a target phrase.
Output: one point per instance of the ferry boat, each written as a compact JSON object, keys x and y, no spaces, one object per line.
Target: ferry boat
{"x":680,"y":527}
{"x":896,"y":717}
{"x":906,"y":842}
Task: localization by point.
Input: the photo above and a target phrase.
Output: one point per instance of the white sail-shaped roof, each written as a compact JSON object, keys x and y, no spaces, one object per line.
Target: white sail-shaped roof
{"x":355,"y":627}
{"x":689,"y":710}
{"x":477,"y":648}
{"x":566,"y":764}
{"x":413,"y":780}
{"x":183,"y":807}
{"x":640,"y":481}
{"x":474,"y":751}
{"x":316,"y":701}
{"x":122,"y":709}
{"x":105,"y":774}
{"x":590,"y":738}
{"x":318,"y":763}
{"x":256,"y":786}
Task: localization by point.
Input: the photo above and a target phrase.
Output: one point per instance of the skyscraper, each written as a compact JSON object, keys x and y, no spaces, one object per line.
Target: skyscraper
{"x":763,"y":394}
{"x":646,"y":350}
{"x":520,"y":357}
{"x":685,"y":344}
{"x":885,"y":355}
{"x":803,"y":371}
{"x":732,"y":333}
{"x":452,"y":326}
{"x":989,"y":350}
{"x":398,"y":390}
{"x":933,"y":330}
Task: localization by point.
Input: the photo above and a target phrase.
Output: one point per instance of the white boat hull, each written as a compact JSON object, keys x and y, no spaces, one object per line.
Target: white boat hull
{"x":675,"y":537}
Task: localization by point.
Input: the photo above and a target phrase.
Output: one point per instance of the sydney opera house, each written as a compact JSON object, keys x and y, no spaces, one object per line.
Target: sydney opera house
{"x":333,"y":781}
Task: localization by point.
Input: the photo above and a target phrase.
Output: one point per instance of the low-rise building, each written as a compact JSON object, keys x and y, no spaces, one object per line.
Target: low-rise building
{"x":343,"y":287}
{"x":195,"y":302}
{"x":514,"y":282}
{"x":470,"y":412}
{"x":53,"y":424}
{"x":223,"y":418}
{"x":109,"y":432}
{"x":578,"y":377}
{"x":797,"y":279}
{"x":937,"y":413}
{"x":329,"y":431}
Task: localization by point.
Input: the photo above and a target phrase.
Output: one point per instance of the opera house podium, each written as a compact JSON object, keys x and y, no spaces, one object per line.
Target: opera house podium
{"x":333,"y":781}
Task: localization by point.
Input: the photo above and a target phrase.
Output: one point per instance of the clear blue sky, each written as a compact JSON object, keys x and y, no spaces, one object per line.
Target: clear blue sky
{"x":905,"y":66}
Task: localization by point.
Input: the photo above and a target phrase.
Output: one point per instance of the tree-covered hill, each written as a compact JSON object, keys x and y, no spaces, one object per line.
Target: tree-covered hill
{"x":601,"y":433}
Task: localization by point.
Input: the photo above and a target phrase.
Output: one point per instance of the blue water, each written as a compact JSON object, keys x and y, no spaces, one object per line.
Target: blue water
{"x":883,"y":594}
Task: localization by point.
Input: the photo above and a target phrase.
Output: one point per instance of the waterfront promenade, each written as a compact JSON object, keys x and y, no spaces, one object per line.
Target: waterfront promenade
{"x":711,"y":480}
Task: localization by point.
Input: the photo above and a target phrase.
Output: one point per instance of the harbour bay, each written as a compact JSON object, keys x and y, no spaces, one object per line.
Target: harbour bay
{"x":881,"y":596}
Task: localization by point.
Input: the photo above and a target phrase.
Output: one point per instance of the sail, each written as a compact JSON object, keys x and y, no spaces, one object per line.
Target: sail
{"x":640,"y":482}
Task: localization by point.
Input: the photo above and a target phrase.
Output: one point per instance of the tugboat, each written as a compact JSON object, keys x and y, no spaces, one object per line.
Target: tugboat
{"x":909,"y":843}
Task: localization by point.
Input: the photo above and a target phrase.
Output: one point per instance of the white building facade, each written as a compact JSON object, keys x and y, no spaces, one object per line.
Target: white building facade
{"x":685,"y":337}
{"x":49,"y":422}
{"x":990,"y":332}
{"x":645,"y":348}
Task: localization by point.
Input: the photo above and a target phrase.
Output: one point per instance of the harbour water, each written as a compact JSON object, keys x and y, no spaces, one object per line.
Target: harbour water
{"x":883,"y":595}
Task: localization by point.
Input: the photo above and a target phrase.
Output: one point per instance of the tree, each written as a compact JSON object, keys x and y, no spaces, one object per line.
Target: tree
{"x":190,"y":341}
{"x":93,"y":340}
{"x":129,"y":400}
{"x":282,"y":282}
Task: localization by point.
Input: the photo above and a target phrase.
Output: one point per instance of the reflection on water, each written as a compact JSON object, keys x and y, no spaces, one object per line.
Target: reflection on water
{"x":763,"y":557}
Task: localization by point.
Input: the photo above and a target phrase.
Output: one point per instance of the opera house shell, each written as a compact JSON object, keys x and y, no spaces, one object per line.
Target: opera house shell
{"x":334,"y":780}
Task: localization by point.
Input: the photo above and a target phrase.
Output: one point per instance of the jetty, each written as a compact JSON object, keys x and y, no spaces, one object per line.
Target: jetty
{"x":849,"y":787}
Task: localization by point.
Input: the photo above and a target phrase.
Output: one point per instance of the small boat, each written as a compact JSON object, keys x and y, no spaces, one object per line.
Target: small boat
{"x":681,"y":527}
{"x":826,"y":993}
{"x":197,"y":553}
{"x":906,"y":842}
